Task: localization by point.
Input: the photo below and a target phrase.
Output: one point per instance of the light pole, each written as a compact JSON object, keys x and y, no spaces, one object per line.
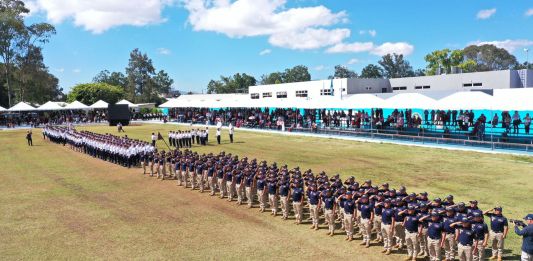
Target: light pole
{"x":527,"y":65}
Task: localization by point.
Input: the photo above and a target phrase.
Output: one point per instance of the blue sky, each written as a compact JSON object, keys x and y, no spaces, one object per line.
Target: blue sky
{"x":198,"y":40}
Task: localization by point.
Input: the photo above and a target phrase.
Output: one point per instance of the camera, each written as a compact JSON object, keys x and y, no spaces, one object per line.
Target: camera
{"x":519,"y":223}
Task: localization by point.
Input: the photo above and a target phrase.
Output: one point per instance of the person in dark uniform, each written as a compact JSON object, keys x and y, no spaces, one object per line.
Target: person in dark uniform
{"x":464,"y":235}
{"x":435,"y":234}
{"x":413,"y":229}
{"x":218,"y":136}
{"x":29,"y":139}
{"x":499,"y":228}
{"x":387,"y":226}
{"x":481,"y":236}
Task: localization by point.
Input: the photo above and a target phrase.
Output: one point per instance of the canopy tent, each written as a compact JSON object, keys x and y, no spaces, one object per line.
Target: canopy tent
{"x":130,"y":104}
{"x":2,"y":108}
{"x":50,"y":106}
{"x":362,"y":101}
{"x":99,"y":105}
{"x":22,"y":106}
{"x":473,"y":100}
{"x":171,"y":103}
{"x":76,"y":105}
{"x":513,"y":99}
{"x":409,"y":101}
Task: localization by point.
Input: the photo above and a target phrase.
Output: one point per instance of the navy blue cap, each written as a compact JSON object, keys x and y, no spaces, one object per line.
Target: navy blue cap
{"x":473,"y":201}
{"x":387,"y":200}
{"x":529,"y":217}
{"x":465,"y":219}
{"x":476,"y":214}
{"x":438,"y":200}
{"x":348,"y":192}
{"x":461,"y":204}
{"x":411,"y":207}
{"x":498,"y":208}
{"x":450,"y":209}
{"x":434,"y":214}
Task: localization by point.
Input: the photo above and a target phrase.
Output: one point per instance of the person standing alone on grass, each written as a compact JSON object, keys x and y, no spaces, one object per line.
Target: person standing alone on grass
{"x":154,"y":138}
{"x":230,"y":132}
{"x":218,"y":136}
{"x":29,"y":139}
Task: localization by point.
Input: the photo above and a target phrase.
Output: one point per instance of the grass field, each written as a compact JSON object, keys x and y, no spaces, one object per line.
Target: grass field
{"x":59,"y":204}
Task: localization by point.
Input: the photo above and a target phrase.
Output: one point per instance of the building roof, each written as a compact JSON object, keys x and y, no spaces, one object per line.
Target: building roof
{"x":22,"y":106}
{"x":99,"y":105}
{"x":50,"y":106}
{"x":76,"y":105}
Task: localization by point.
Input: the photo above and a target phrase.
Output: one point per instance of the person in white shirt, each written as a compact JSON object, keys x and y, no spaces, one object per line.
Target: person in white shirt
{"x":154,"y":138}
{"x":231,"y":130}
{"x":218,"y":136}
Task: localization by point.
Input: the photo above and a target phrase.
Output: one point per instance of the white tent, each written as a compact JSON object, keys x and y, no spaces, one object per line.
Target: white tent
{"x":473,"y":100}
{"x":362,"y":101}
{"x":99,"y":105}
{"x":130,"y":104}
{"x":50,"y":106}
{"x":408,"y":101}
{"x":2,"y":108}
{"x":519,"y":99}
{"x":22,"y":106}
{"x":76,"y":105}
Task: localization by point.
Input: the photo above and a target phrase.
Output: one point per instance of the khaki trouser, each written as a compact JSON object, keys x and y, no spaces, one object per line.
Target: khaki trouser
{"x":434,"y":249}
{"x":151,"y":169}
{"x":262,"y":197}
{"x":348,"y":224}
{"x":184,"y":178}
{"x":212,"y":184}
{"x":399,"y":234}
{"x":298,"y":209}
{"x":497,"y":243}
{"x":423,"y":241}
{"x":221,"y":187}
{"x":230,"y":187}
{"x":449,"y":246}
{"x":411,"y":240}
{"x":285,"y":206}
{"x":387,"y":235}
{"x":330,"y":218}
{"x":313,"y":211}
{"x":162,"y":171}
{"x":526,"y":257}
{"x":240,"y":193}
{"x":376,"y":227}
{"x":464,"y":252}
{"x":200,"y":181}
{"x":480,"y":253}
{"x":366,"y":229}
{"x":192,"y":174}
{"x":249,"y":196}
{"x":273,"y":201}
{"x":178,"y":177}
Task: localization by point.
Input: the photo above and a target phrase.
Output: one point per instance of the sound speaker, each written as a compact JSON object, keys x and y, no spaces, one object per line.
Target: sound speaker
{"x":118,"y":113}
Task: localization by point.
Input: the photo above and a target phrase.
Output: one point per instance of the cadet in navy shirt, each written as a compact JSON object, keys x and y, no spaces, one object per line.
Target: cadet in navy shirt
{"x":297,"y":194}
{"x":313,"y":197}
{"x":449,"y":238}
{"x":328,"y":201}
{"x":283,"y":189}
{"x":436,"y":235}
{"x":349,"y":215}
{"x":498,"y":231}
{"x":527,"y":238}
{"x":464,"y":235}
{"x":367,"y":215}
{"x":481,"y":235}
{"x":387,"y":226}
{"x":413,"y":228}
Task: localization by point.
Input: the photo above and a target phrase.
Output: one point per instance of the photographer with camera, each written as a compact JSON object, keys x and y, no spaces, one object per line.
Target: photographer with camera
{"x":526,"y":231}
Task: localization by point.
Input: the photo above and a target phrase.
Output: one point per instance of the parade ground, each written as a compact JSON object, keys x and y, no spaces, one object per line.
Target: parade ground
{"x":59,"y":204}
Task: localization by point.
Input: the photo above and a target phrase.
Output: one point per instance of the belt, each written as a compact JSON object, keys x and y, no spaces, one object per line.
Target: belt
{"x":465,"y":245}
{"x":435,"y":238}
{"x":412,"y":231}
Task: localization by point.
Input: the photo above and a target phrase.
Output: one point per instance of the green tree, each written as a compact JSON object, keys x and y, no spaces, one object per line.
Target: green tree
{"x":342,"y":72}
{"x":112,"y":78}
{"x":272,"y":78}
{"x":444,"y":59}
{"x":163,"y":82}
{"x":489,"y":57}
{"x":299,"y":73}
{"x":237,"y":83}
{"x":395,"y":66}
{"x":140,"y":70}
{"x":89,"y":93}
{"x":372,"y":71}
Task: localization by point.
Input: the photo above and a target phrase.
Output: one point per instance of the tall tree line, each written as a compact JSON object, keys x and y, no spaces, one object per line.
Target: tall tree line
{"x":24,"y":75}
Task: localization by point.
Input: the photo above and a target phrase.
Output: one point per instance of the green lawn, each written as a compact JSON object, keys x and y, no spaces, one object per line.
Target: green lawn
{"x":59,"y":204}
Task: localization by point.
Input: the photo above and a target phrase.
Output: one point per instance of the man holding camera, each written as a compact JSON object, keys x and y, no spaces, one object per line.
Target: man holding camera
{"x":527,"y":233}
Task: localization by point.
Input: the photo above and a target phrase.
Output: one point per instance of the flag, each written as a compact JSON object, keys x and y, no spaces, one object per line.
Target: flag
{"x":331,"y":88}
{"x":159,"y":136}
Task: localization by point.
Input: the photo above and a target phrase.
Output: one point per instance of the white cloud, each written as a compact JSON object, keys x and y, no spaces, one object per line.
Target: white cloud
{"x":97,"y":16}
{"x":319,"y":68}
{"x":309,"y":38}
{"x":60,"y":70}
{"x":529,"y":12}
{"x":486,"y":13}
{"x":265,"y":52}
{"x":353,"y":61}
{"x":164,"y":51}
{"x":362,"y":32}
{"x":283,"y":26}
{"x":356,"y":47}
{"x":76,"y":71}
{"x":385,"y":48}
{"x":509,"y":45}
{"x":372,"y":33}
{"x":399,"y":48}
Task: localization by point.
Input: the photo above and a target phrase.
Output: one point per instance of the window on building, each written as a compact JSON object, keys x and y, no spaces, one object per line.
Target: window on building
{"x":267,"y":94}
{"x":302,"y":94}
{"x":467,"y":85}
{"x":478,"y":84}
{"x":400,"y":88}
{"x":418,"y":87}
{"x":325,"y":92}
{"x":343,"y":89}
{"x":426,"y":87}
{"x":254,"y":96}
{"x":368,"y":88}
{"x":280,"y":95}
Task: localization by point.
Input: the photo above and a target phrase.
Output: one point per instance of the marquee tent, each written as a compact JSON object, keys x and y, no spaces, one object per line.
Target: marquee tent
{"x":99,"y":105}
{"x":473,"y":100}
{"x":409,"y":101}
{"x":22,"y":106}
{"x":513,"y":99}
{"x":76,"y":105}
{"x":362,"y":101}
{"x":50,"y":106}
{"x":130,"y":104}
{"x":2,"y":108}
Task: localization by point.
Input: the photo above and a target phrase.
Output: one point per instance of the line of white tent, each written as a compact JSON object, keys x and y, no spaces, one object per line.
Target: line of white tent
{"x":502,"y":99}
{"x":58,"y":106}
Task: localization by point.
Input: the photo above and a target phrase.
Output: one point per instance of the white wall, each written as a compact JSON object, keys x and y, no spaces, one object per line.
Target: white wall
{"x":313,"y":88}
